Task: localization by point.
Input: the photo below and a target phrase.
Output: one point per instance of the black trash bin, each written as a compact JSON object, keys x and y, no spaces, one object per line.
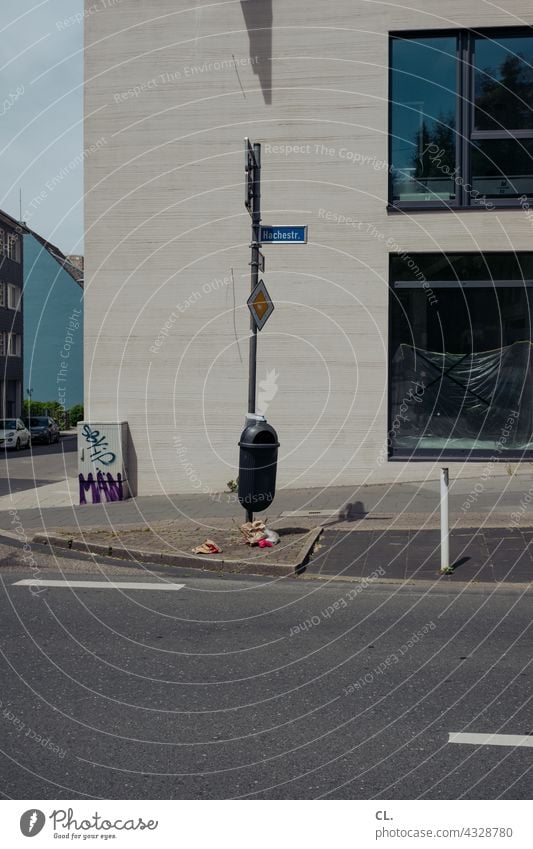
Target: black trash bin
{"x":257,"y":465}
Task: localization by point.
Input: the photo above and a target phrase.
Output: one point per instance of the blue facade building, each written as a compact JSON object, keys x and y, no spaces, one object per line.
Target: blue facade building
{"x":53,"y":324}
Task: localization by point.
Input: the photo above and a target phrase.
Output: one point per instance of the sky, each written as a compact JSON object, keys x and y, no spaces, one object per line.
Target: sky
{"x":41,"y":114}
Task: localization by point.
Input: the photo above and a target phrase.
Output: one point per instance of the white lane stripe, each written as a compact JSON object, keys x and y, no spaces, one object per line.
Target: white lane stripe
{"x":97,"y":585}
{"x":492,"y":739}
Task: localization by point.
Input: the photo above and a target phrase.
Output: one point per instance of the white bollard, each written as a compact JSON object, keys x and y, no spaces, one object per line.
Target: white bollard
{"x":444,"y":522}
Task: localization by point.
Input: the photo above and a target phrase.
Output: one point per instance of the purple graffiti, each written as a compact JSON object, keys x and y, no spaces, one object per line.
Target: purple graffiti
{"x":108,"y":486}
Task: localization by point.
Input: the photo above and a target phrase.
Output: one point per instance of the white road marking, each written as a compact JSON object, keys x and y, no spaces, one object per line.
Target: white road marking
{"x":98,"y":585}
{"x":492,"y":739}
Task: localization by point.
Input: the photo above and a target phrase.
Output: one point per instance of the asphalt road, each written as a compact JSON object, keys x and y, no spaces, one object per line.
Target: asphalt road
{"x":37,"y":466}
{"x":234,"y":688}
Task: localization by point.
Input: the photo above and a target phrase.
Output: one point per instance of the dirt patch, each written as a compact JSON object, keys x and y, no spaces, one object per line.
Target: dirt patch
{"x":171,"y":543}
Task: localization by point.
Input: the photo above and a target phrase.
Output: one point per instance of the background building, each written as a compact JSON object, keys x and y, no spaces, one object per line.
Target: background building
{"x":403,"y":137}
{"x":53,"y":324}
{"x":11,"y":343}
{"x":76,"y":260}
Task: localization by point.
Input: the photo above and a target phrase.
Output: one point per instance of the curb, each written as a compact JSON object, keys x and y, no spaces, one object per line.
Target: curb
{"x":421,"y":522}
{"x":244,"y":567}
{"x":422,"y":583}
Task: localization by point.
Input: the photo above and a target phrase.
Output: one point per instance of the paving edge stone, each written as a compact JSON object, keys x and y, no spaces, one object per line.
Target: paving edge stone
{"x":439,"y":582}
{"x":244,"y":567}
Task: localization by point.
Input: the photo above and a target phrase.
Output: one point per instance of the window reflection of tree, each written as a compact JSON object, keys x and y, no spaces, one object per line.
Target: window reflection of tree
{"x":503,"y":100}
{"x":504,"y":97}
{"x":435,"y":142}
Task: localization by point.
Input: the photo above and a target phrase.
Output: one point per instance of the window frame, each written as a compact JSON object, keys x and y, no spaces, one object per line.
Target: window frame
{"x":12,"y":250}
{"x":421,"y":455}
{"x":14,"y":345}
{"x":465,"y":114}
{"x":13,"y":297}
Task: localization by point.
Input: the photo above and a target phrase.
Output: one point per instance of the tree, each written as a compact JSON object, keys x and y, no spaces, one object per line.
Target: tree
{"x":76,"y":414}
{"x":43,"y":408}
{"x":55,"y":410}
{"x":504,"y":96}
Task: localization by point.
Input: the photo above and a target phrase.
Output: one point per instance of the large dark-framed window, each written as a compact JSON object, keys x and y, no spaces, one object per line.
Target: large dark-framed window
{"x":461,"y":118}
{"x":461,"y":356}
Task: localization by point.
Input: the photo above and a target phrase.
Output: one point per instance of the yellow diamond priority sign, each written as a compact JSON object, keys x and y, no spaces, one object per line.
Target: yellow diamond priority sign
{"x":260,"y":305}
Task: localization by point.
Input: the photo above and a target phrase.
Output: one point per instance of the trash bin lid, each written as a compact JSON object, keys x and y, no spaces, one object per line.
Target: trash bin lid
{"x":259,"y":435}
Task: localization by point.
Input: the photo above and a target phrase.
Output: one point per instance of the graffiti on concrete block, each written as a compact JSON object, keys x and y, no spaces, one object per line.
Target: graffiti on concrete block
{"x":104,"y":487}
{"x":99,"y":449}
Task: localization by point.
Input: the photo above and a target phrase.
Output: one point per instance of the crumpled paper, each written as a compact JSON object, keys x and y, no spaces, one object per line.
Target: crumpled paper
{"x":207,"y":547}
{"x":253,"y":532}
{"x":256,"y":532}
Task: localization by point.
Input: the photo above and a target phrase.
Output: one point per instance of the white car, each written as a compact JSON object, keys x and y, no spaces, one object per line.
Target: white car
{"x":14,"y":434}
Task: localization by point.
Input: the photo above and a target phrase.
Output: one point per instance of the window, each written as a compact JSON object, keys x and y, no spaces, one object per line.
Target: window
{"x":2,"y":242}
{"x":13,"y":247}
{"x":461,"y":356}
{"x":2,"y":344}
{"x":13,"y":345}
{"x":13,"y":297}
{"x":2,"y":295}
{"x":461,"y":118}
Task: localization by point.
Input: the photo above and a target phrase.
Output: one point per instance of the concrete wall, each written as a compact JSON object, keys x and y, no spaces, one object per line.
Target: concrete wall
{"x":171,"y":90}
{"x":53,"y":328}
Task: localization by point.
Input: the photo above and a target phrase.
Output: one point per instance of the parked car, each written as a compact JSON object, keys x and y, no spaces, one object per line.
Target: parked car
{"x":14,"y":434}
{"x":43,"y":429}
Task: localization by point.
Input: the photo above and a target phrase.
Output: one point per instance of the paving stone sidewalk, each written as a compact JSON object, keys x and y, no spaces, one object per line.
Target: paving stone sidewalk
{"x":364,"y":528}
{"x":355,"y":549}
{"x":171,"y":543}
{"x":488,"y":555}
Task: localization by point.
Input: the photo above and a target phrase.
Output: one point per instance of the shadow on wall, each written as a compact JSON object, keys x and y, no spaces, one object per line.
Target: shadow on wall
{"x":132,"y":466}
{"x":258,"y":18}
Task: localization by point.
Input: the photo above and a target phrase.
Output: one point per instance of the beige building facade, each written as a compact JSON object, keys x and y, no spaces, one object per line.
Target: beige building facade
{"x":357,"y":397}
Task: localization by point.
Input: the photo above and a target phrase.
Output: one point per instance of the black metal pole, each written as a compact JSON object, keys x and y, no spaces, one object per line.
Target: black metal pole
{"x":254,"y":264}
{"x":256,"y":234}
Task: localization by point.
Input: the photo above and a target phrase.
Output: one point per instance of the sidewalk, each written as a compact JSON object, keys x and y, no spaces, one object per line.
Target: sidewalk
{"x":499,"y":492}
{"x":172,"y":543}
{"x":57,"y":503}
{"x":392,"y":528}
{"x":490,"y":555}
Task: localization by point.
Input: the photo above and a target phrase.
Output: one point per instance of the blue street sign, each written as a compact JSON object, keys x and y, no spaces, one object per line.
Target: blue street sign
{"x":283,"y":235}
